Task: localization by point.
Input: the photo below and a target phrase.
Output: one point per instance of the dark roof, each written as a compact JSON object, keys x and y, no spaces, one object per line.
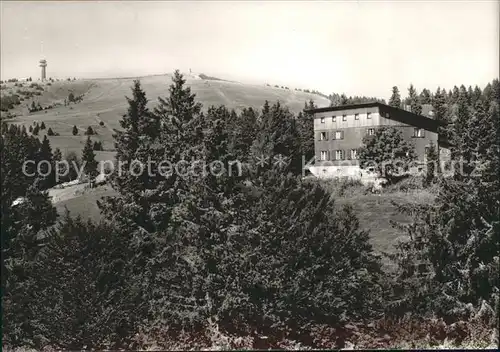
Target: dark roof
{"x":397,"y":114}
{"x":346,"y":107}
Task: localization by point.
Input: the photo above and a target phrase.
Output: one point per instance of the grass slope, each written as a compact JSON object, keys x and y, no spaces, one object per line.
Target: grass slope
{"x":104,"y":100}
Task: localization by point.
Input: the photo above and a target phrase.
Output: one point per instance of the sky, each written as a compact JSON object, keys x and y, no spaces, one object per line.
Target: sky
{"x":355,"y":47}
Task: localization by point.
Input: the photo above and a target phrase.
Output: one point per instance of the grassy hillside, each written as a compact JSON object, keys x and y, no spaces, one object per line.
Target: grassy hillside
{"x":104,"y":100}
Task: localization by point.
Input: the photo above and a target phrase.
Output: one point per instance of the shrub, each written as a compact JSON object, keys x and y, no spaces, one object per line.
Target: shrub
{"x":97,"y":146}
{"x":79,"y":293}
{"x":101,"y":123}
{"x":89,"y":131}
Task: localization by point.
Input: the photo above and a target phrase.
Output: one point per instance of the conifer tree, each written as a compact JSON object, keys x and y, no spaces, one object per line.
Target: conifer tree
{"x":74,"y":131}
{"x":36,"y":130}
{"x":88,"y":159}
{"x":45,"y":154}
{"x":42,"y":126}
{"x":305,"y":125}
{"x":395,"y":100}
{"x":431,"y":169}
{"x":415,"y":105}
{"x":50,"y":132}
{"x":343,"y":100}
{"x":425,"y":96}
{"x":245,"y":132}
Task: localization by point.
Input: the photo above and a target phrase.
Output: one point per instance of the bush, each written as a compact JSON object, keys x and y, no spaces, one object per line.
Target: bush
{"x":342,"y":186}
{"x":101,"y":123}
{"x":89,"y":131}
{"x":97,"y":146}
{"x":407,"y":184}
{"x":78,"y":291}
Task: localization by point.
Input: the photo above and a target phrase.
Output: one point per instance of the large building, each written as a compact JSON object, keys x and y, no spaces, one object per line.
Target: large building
{"x":339,"y":133}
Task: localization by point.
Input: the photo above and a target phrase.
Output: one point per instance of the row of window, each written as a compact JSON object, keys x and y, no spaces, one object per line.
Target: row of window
{"x":323,"y":136}
{"x":338,"y":155}
{"x":344,"y":117}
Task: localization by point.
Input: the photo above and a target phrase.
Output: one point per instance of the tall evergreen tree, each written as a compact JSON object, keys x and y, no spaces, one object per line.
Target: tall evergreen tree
{"x":88,"y":159}
{"x":395,"y":100}
{"x":45,"y":158}
{"x":244,"y":133}
{"x":74,"y":131}
{"x":415,"y":105}
{"x":305,"y":125}
{"x":425,"y":96}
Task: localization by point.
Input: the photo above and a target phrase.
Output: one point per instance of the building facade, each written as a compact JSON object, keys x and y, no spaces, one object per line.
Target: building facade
{"x":339,"y":133}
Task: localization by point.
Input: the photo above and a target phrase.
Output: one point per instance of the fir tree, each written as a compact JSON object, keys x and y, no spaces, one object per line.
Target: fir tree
{"x":415,"y":105}
{"x":45,"y":154}
{"x":395,"y":100}
{"x":42,"y":126}
{"x":88,"y":159}
{"x":344,"y":100}
{"x":50,"y":132}
{"x":431,"y":169}
{"x":36,"y":130}
{"x":305,"y":125}
{"x":425,"y":96}
{"x":74,"y":131}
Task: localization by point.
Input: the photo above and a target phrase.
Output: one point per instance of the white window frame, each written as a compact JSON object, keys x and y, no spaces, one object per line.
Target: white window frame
{"x":323,"y":155}
{"x":323,"y":136}
{"x":371,"y":132}
{"x":322,"y":120}
{"x":369,"y":115}
{"x":356,"y":116}
{"x":418,"y":132}
{"x":334,"y":118}
{"x":344,"y":117}
{"x":354,"y":154}
{"x":340,"y":153}
{"x":339,"y":135}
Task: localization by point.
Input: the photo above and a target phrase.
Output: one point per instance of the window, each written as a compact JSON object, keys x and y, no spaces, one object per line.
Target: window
{"x":344,"y":117}
{"x":371,"y":131}
{"x":426,"y":151}
{"x":368,"y":115}
{"x":354,"y":154}
{"x":339,"y":155}
{"x":322,"y":120}
{"x":323,"y":155}
{"x":334,"y":118}
{"x":418,"y":132}
{"x":356,"y":116}
{"x":339,"y":134}
{"x":323,"y":136}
